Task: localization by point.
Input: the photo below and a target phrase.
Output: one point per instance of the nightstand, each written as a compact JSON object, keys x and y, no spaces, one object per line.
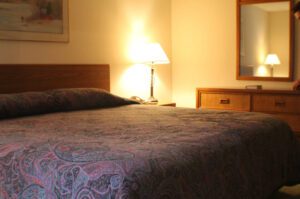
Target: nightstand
{"x":173,"y":104}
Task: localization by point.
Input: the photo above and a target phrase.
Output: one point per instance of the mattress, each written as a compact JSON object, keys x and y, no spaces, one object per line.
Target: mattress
{"x":138,"y":151}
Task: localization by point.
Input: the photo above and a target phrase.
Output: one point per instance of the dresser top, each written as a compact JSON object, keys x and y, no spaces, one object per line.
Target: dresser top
{"x":259,"y":91}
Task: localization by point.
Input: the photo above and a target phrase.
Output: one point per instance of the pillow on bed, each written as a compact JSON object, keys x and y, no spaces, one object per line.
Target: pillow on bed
{"x":86,"y":98}
{"x":32,"y":103}
{"x":29,"y":103}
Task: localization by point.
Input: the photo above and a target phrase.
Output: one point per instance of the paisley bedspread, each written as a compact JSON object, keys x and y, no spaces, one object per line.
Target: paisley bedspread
{"x":146,"y":152}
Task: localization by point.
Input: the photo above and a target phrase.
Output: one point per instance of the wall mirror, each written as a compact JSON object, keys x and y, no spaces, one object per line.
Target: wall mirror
{"x":265,"y":32}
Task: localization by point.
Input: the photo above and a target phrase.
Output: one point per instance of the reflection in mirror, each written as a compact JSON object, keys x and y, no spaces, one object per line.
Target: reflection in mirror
{"x":265,"y":40}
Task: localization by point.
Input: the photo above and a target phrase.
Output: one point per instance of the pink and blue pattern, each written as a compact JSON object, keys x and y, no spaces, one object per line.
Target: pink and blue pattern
{"x":145,"y":152}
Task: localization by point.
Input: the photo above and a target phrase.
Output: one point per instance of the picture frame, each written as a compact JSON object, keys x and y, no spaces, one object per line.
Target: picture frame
{"x":34,"y":20}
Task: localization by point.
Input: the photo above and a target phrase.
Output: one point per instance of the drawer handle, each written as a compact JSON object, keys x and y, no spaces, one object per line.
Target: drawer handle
{"x":280,"y":103}
{"x":225,"y":101}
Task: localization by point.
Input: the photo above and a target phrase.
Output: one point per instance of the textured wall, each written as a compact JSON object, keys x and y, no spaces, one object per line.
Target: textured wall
{"x":204,"y":49}
{"x":103,"y":31}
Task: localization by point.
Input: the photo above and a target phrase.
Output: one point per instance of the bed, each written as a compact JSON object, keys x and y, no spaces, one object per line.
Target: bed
{"x":69,"y":138}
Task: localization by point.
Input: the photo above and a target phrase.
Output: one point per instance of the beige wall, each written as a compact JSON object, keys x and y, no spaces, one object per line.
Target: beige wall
{"x":203,"y":35}
{"x":254,"y":37}
{"x":204,"y":49}
{"x":279,"y":41}
{"x":103,"y":31}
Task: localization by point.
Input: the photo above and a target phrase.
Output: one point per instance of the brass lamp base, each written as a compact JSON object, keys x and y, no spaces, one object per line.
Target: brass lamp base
{"x":151,"y":100}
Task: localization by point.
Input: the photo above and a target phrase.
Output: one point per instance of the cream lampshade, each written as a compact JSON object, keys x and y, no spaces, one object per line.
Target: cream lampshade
{"x":153,"y":55}
{"x":272,"y":59}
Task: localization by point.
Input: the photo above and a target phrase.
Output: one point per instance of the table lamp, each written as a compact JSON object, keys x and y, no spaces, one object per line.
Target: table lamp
{"x":272,"y":59}
{"x":154,"y":55}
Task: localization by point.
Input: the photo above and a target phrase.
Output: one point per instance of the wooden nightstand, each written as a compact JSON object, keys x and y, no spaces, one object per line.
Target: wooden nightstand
{"x":173,"y":104}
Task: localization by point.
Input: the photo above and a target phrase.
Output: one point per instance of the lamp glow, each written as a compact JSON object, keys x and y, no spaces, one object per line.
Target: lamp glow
{"x":272,"y":59}
{"x":153,"y":55}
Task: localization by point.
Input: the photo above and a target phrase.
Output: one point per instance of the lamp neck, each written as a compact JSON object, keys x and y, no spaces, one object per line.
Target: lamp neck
{"x":152,"y":64}
{"x":152,"y":80}
{"x":152,"y":98}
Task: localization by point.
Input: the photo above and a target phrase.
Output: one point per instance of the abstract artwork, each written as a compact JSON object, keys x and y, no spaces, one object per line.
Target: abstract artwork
{"x":35,"y":20}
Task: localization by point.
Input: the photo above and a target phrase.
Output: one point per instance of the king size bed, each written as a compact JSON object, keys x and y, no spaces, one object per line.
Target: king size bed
{"x":68,"y":138}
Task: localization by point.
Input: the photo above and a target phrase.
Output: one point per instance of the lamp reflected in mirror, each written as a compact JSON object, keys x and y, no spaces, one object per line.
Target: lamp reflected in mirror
{"x":265,"y":27}
{"x":271,"y":60}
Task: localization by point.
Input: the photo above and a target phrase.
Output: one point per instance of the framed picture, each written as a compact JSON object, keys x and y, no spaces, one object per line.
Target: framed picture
{"x":34,"y":20}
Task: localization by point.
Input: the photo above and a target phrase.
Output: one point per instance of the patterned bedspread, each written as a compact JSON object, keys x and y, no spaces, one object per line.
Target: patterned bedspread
{"x":146,"y":152}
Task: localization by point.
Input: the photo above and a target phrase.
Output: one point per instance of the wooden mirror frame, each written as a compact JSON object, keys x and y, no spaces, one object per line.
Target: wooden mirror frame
{"x":291,"y":42}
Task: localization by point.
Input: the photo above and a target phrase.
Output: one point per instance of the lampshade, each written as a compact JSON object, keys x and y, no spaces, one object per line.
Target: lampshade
{"x":154,"y":54}
{"x":272,"y":59}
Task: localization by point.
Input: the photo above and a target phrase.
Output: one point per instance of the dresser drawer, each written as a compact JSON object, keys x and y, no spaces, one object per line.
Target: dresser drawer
{"x":276,"y":103}
{"x":239,"y":102}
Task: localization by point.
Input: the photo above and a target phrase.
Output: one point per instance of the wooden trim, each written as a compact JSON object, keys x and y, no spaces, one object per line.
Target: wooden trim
{"x":251,"y":100}
{"x":38,"y":77}
{"x":291,"y":43}
{"x":238,"y":39}
{"x":245,"y":91}
{"x":281,"y":79}
{"x":172,"y":104}
{"x":197,"y":98}
{"x":258,"y":1}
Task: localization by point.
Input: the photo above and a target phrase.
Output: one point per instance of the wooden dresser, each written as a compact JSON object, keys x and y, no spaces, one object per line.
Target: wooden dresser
{"x":284,"y":104}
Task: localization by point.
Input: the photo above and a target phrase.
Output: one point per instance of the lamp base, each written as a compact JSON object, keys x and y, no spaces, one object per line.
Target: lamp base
{"x":271,"y":71}
{"x":151,"y":100}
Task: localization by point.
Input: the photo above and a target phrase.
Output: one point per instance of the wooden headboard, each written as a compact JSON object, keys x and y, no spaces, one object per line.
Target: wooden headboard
{"x":38,"y":77}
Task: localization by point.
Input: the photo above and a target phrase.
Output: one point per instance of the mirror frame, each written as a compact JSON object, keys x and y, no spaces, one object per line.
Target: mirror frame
{"x":291,"y":42}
